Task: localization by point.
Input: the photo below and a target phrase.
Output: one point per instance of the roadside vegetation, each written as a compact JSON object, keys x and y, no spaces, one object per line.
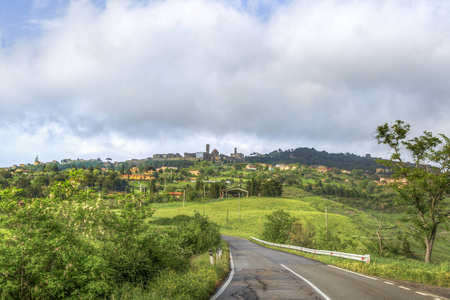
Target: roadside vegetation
{"x":75,"y":245}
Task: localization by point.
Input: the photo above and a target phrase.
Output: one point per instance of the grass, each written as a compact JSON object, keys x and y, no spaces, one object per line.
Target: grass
{"x":253,"y":211}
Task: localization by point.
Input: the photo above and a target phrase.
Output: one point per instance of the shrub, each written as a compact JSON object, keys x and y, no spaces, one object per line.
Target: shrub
{"x":302,"y":234}
{"x":197,"y":234}
{"x":277,"y":227}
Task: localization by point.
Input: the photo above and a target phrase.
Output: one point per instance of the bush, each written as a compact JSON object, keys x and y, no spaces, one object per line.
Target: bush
{"x":302,"y":234}
{"x":197,"y":234}
{"x":198,"y":282}
{"x":277,"y":227}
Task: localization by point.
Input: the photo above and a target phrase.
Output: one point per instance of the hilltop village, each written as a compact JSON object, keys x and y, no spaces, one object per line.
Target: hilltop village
{"x":207,"y":155}
{"x":168,"y":175}
{"x":191,"y":166}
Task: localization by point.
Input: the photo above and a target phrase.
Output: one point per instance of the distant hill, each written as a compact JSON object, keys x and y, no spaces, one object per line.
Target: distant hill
{"x":310,"y":156}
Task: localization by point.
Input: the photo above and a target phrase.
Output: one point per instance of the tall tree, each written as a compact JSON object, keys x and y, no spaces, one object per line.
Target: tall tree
{"x":423,"y":184}
{"x":214,"y":191}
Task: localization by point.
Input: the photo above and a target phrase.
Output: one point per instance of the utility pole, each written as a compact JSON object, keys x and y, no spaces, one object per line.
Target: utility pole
{"x":239,"y":209}
{"x":260,"y":224}
{"x":326,"y":218}
{"x":184,"y":196}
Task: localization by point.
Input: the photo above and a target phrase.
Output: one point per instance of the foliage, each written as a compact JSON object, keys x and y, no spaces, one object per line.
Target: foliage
{"x":265,"y":188}
{"x":197,"y":234}
{"x":302,"y":234}
{"x":198,"y":282}
{"x":425,"y":183}
{"x":214,"y":190}
{"x":307,"y":156}
{"x":277,"y":227}
{"x":335,"y":241}
{"x":41,"y":256}
{"x":69,"y":245}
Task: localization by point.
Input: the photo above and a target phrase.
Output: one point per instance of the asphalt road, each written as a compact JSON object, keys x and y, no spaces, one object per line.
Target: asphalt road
{"x":262,"y":273}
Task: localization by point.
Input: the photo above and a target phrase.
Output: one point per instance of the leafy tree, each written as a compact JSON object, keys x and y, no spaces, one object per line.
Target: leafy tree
{"x":55,"y":168}
{"x":214,"y":190}
{"x":41,"y":181}
{"x":271,"y":188}
{"x":23,"y":183}
{"x":41,"y":257}
{"x":277,"y":227}
{"x":423,"y":184}
{"x":153,"y":186}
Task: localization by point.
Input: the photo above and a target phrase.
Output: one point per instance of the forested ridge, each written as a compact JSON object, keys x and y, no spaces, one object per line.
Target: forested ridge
{"x":310,"y":156}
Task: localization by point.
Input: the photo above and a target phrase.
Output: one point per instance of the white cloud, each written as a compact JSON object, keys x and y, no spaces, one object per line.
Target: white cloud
{"x":170,"y":75}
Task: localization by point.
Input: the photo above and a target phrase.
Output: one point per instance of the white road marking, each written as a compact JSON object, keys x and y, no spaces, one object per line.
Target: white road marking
{"x":423,"y":294}
{"x":389,"y":282}
{"x":353,"y":272}
{"x":405,"y":288}
{"x":219,"y":292}
{"x":312,"y":285}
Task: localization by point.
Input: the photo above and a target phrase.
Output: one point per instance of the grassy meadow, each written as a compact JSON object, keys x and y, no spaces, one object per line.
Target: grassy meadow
{"x":245,"y":221}
{"x":342,"y":219}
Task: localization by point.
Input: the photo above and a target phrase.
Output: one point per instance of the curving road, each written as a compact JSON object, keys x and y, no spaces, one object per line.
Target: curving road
{"x":262,"y":273}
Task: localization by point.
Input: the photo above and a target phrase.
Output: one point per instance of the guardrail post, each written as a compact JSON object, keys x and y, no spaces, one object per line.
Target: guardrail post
{"x":211,"y":258}
{"x":218,"y":253}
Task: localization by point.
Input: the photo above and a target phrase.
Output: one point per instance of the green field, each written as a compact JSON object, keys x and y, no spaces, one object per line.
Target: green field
{"x":245,"y":222}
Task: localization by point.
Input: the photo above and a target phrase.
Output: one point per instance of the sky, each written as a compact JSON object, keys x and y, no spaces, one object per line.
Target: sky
{"x":131,"y":78}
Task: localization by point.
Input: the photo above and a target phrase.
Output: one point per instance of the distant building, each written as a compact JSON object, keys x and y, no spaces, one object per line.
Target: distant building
{"x":392,"y":180}
{"x":250,"y":168}
{"x":200,"y":155}
{"x":195,"y":173}
{"x":237,"y":156}
{"x":321,"y":169}
{"x":37,"y":162}
{"x":176,"y":195}
{"x":283,"y":167}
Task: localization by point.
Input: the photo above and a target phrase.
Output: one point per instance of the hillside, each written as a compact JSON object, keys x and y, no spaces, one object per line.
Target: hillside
{"x":310,"y":156}
{"x":356,"y":228}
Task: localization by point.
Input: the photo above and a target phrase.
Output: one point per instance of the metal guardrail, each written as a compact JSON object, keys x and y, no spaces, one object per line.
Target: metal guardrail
{"x":364,"y":258}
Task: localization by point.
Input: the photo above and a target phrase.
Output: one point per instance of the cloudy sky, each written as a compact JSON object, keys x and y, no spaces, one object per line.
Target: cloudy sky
{"x":131,"y":78}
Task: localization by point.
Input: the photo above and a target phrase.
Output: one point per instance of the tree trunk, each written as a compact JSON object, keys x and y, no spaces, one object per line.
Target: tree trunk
{"x":429,"y":241}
